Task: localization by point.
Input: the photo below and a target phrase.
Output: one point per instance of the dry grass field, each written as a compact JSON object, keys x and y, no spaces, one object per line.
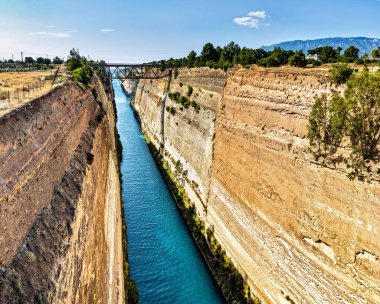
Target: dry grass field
{"x":19,"y":87}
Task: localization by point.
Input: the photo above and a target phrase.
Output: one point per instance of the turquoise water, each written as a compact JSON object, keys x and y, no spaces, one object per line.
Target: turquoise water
{"x":163,"y":257}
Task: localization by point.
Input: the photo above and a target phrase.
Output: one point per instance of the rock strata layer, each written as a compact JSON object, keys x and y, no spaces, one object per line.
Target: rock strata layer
{"x":299,"y":232}
{"x":60,"y":200}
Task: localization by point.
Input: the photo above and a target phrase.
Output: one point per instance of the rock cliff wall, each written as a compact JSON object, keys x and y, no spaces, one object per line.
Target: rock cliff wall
{"x":187,"y":137}
{"x":130,"y":86}
{"x":299,"y":232}
{"x":60,"y":200}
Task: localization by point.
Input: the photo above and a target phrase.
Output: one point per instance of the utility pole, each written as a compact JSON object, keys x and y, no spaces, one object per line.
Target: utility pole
{"x":22,"y":56}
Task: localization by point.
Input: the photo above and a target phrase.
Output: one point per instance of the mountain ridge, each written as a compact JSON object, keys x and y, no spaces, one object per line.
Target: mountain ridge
{"x":365,"y":44}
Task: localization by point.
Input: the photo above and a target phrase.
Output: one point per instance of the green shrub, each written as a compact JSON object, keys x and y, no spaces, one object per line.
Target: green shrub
{"x":314,"y":62}
{"x":363,"y":101}
{"x":29,"y":256}
{"x":195,"y":105}
{"x":340,"y":73}
{"x":298,"y":60}
{"x":189,"y":91}
{"x":176,"y":73}
{"x":354,"y":116}
{"x":174,"y":96}
{"x":359,"y":61}
{"x":83,"y":74}
{"x":171,"y":110}
{"x":327,"y":124}
{"x":73,"y":64}
{"x":270,"y":61}
{"x":183,"y":100}
{"x":133,"y":292}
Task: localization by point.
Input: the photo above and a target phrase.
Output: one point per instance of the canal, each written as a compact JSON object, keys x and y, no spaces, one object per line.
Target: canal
{"x":164,"y":260}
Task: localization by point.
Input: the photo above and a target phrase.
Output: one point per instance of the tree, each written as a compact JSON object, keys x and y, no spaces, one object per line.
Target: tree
{"x":298,"y":60}
{"x":351,"y":54}
{"x":337,"y":112}
{"x":57,"y":60}
{"x":375,"y":53}
{"x":191,"y":59}
{"x":209,"y":53}
{"x":355,"y":115}
{"x":47,"y":61}
{"x":327,"y":123}
{"x":228,"y":54}
{"x":317,"y":128}
{"x":75,"y":61}
{"x":270,"y":61}
{"x":40,"y":60}
{"x":325,"y":54}
{"x":363,"y":101}
{"x":83,"y":74}
{"x":74,"y":54}
{"x":340,"y":73}
{"x":281,"y":55}
{"x":29,"y":60}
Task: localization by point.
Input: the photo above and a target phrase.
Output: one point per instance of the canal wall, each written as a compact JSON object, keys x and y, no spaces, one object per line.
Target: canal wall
{"x":130,"y":86}
{"x":60,"y":199}
{"x":298,"y":232}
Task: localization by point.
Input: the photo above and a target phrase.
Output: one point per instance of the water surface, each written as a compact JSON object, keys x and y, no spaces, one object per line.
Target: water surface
{"x":164,"y":259}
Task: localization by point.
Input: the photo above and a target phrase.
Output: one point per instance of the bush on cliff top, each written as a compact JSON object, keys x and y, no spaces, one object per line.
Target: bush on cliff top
{"x":83,"y":74}
{"x":340,"y":73}
{"x":355,"y":116}
{"x":78,"y":65}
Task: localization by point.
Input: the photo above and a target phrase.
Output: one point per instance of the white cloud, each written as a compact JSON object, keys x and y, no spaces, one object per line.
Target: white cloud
{"x":253,"y":20}
{"x":258,"y":14}
{"x":107,"y":30}
{"x":247,"y":21}
{"x":52,"y":34}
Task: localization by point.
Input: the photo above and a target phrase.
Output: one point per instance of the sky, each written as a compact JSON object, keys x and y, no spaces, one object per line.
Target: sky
{"x":140,"y":31}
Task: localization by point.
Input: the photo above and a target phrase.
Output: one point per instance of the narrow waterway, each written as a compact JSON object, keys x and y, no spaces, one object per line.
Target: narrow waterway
{"x":164,"y":259}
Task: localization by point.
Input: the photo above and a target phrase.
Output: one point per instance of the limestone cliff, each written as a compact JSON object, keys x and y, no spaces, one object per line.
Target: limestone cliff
{"x":299,"y":232}
{"x":130,"y":86}
{"x":60,"y":206}
{"x":188,"y":136}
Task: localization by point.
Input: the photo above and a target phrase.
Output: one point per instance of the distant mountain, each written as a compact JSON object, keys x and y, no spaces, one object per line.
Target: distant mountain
{"x":364,"y":44}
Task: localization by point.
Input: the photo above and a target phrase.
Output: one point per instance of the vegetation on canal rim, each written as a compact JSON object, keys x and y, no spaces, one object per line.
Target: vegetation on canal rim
{"x":230,"y":281}
{"x":355,"y":116}
{"x":232,"y":54}
{"x":131,"y":291}
{"x":80,"y":68}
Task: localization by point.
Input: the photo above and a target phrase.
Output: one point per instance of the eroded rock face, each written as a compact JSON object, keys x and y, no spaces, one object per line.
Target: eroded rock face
{"x":130,"y":86}
{"x":299,"y":232}
{"x":60,"y":203}
{"x":187,"y":137}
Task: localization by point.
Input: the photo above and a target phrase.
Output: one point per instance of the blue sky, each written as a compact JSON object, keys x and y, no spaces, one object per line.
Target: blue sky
{"x":138,"y":31}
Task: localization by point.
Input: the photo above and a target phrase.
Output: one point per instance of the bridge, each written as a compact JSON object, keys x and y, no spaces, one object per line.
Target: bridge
{"x":124,"y":71}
